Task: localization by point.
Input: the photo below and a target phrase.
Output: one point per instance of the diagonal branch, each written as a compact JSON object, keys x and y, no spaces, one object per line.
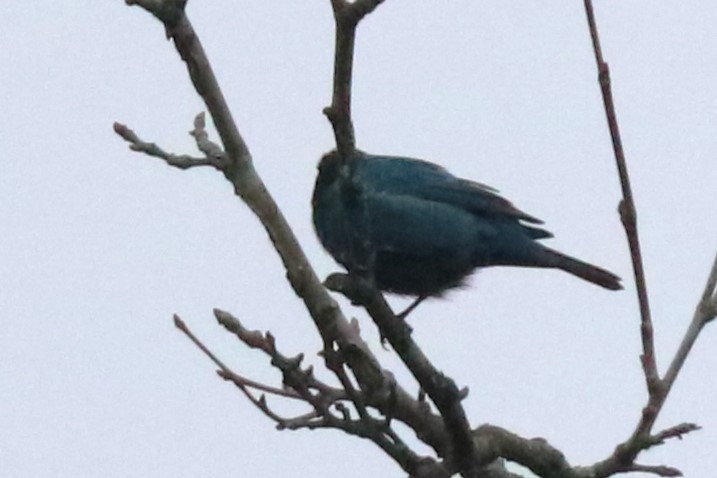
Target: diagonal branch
{"x":709,"y":295}
{"x":304,"y":383}
{"x":705,"y":312}
{"x":378,"y":387}
{"x":304,"y":379}
{"x":242,"y":383}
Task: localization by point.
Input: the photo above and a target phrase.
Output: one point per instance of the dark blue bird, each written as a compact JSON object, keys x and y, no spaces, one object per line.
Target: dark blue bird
{"x":415,"y":229}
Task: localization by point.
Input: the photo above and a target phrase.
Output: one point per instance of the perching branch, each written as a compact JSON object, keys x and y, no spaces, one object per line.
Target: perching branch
{"x":379,"y":388}
{"x":238,"y":169}
{"x":440,"y":388}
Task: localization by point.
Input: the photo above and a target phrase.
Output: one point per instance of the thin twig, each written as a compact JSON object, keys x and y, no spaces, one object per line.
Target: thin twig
{"x":367,"y":427}
{"x":628,"y":214}
{"x":335,"y":363}
{"x":677,"y":431}
{"x":624,"y":456}
{"x":302,"y":381}
{"x":658,"y":470}
{"x":704,"y":312}
{"x":347,"y":16}
{"x":181,"y":325}
{"x":709,"y":295}
{"x":299,"y":381}
{"x":183,"y":161}
{"x":259,"y":403}
{"x":241,"y":383}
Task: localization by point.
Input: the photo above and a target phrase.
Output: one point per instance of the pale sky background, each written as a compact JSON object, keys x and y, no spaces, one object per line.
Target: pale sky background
{"x":99,"y":246}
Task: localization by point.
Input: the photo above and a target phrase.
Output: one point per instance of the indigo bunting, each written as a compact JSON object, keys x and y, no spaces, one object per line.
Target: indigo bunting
{"x":412,"y":228}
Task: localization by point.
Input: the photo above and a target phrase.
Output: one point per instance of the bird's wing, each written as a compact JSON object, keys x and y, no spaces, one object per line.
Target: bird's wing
{"x":418,"y":227}
{"x":407,"y":176}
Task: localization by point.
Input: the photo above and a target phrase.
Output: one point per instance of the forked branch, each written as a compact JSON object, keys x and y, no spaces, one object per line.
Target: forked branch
{"x":623,"y":459}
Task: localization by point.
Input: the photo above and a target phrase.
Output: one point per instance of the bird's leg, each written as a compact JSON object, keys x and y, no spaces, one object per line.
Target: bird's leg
{"x":410,"y":308}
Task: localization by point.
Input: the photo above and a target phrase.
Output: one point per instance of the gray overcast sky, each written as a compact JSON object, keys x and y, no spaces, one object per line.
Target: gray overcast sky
{"x":99,"y":245}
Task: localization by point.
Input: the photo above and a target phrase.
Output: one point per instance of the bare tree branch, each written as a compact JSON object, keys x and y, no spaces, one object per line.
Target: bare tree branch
{"x":705,"y":312}
{"x":238,"y":169}
{"x":677,"y":431}
{"x":628,"y":213}
{"x":441,"y":389}
{"x":366,"y":426}
{"x":347,"y":16}
{"x":625,"y":454}
{"x":184,"y":161}
{"x":655,"y":470}
{"x":241,"y":383}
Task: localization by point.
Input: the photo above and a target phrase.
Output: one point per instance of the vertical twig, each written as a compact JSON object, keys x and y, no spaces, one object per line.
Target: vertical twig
{"x":339,"y":113}
{"x":624,"y":456}
{"x":628,"y":214}
{"x":347,"y":16}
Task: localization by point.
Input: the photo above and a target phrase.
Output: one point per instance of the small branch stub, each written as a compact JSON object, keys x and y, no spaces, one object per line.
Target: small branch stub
{"x":215,"y":157}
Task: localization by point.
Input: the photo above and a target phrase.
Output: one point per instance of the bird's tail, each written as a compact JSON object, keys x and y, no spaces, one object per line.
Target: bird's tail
{"x":585,"y":271}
